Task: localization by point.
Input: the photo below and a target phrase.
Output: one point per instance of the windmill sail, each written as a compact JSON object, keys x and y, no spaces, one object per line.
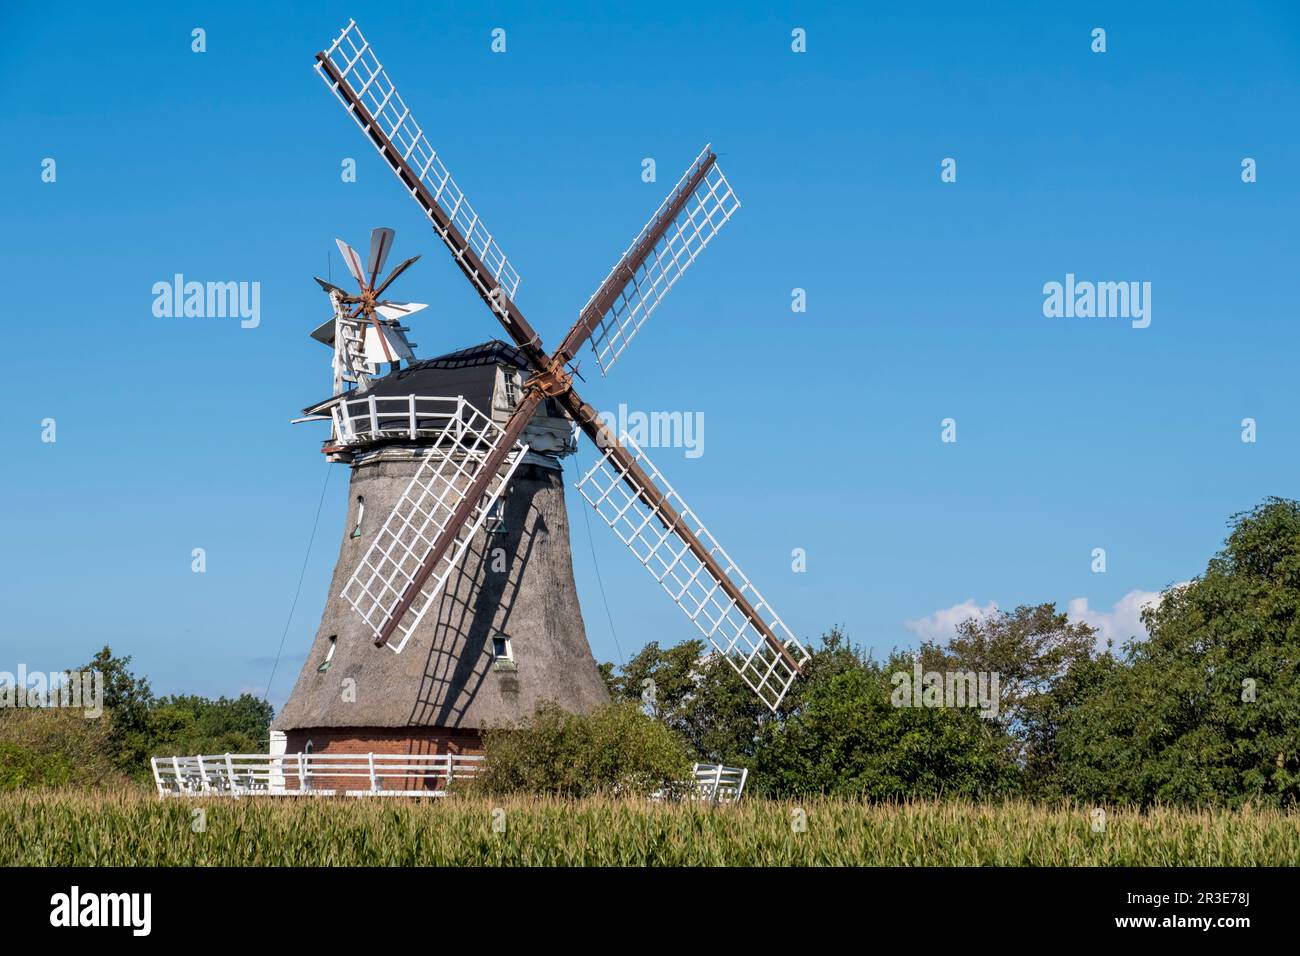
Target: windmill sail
{"x":350,"y":68}
{"x":377,"y":587}
{"x":698,"y":206}
{"x":730,"y":613}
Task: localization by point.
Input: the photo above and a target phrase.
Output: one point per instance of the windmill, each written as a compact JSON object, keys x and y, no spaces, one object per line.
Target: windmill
{"x":479,"y":462}
{"x":409,"y":565}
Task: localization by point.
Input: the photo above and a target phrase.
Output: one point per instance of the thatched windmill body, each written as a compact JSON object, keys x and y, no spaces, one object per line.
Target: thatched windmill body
{"x":506,"y":631}
{"x":452,"y":602}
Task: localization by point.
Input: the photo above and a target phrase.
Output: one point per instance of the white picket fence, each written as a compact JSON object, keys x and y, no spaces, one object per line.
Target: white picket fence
{"x":301,"y":774}
{"x":363,"y":775}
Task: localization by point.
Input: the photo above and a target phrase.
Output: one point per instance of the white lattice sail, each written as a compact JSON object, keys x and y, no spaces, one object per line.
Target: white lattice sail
{"x":360,"y":70}
{"x":707,"y":210}
{"x":422,"y":512}
{"x":612,"y":492}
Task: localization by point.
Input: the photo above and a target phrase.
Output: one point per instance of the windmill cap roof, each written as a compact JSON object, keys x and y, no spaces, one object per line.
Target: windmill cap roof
{"x":491,"y":352}
{"x":415,"y":379}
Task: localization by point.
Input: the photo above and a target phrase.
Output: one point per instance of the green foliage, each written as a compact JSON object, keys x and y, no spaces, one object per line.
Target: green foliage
{"x":1206,"y":711}
{"x":1030,"y":649}
{"x":722,"y":721}
{"x":21,"y":768}
{"x":1053,"y":769}
{"x":57,"y":747}
{"x":52,"y":748}
{"x":848,"y":738}
{"x":606,"y":671}
{"x":662,"y":679}
{"x":699,"y":697}
{"x":615,"y":749}
{"x":144,"y":726}
{"x":836,"y":731}
{"x":197,"y":725}
{"x":127,"y":700}
{"x":1176,"y":723}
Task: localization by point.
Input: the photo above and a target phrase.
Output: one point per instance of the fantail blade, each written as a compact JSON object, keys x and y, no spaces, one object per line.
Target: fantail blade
{"x":328,"y":286}
{"x":394,"y":274}
{"x":381,"y":240}
{"x":398,"y":310}
{"x":352,"y":261}
{"x":324,"y":333}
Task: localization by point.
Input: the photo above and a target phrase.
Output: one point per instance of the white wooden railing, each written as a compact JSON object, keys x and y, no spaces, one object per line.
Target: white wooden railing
{"x":719,"y":784}
{"x":300,"y":774}
{"x":370,"y":418}
{"x":710,"y":783}
{"x":365,"y":775}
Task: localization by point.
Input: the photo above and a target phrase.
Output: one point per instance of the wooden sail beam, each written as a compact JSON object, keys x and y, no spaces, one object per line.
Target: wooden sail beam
{"x":480,"y":277}
{"x":478,"y":487}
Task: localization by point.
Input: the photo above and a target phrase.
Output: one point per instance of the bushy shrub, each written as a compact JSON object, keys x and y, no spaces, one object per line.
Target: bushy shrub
{"x":54,"y":748}
{"x":51,"y":747}
{"x":616,"y":749}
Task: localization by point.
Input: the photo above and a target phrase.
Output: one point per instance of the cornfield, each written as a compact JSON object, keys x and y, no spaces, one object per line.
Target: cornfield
{"x":133,"y":828}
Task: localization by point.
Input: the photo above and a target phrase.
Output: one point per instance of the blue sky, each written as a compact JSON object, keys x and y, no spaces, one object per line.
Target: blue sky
{"x":822,"y":428}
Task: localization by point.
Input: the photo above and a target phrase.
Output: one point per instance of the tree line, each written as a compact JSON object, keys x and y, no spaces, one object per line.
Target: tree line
{"x":1204,"y":710}
{"x":41,"y":747}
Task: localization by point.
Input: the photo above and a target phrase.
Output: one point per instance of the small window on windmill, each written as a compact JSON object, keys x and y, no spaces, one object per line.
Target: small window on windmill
{"x":495,"y":522}
{"x":361,"y":515}
{"x":329,"y":654}
{"x":510,"y":380}
{"x":503,"y":655}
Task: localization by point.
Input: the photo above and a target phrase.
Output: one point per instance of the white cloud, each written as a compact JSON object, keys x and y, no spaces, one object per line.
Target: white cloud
{"x":1121,"y":622}
{"x":942,"y":624}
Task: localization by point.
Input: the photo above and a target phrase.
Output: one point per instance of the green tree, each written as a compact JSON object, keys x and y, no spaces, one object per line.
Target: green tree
{"x":1030,"y":650}
{"x":702,"y":698}
{"x":189,"y":724}
{"x":1055,"y":773}
{"x":662,"y":679}
{"x":722,"y":720}
{"x":1207,"y":709}
{"x":127,"y":702}
{"x":846,"y":737}
{"x":143,"y":726}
